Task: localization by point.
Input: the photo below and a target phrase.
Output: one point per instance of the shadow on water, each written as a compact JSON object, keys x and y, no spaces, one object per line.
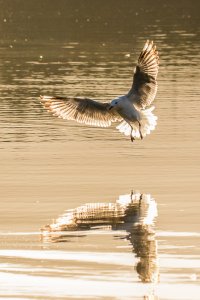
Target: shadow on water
{"x":133,"y":214}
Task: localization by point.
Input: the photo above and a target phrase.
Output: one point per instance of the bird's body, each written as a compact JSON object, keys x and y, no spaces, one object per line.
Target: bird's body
{"x":136,"y":120}
{"x":126,"y":109}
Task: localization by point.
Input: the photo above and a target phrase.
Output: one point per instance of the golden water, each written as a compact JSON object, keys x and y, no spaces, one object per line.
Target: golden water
{"x":50,"y":165}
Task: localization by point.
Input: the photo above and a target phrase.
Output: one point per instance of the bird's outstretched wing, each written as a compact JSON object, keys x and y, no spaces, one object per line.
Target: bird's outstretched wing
{"x":81,"y":110}
{"x":144,"y":86}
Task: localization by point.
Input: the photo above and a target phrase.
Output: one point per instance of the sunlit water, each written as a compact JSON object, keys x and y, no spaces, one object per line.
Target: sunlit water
{"x":50,"y":165}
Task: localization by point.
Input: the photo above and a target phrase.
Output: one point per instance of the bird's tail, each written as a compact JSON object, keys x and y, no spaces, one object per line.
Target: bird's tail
{"x":148,"y":123}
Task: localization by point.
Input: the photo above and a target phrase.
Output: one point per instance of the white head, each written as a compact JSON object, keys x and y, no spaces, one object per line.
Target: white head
{"x":114,"y":103}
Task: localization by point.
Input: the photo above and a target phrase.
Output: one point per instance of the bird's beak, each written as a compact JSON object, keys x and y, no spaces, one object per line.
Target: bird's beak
{"x":110,"y":107}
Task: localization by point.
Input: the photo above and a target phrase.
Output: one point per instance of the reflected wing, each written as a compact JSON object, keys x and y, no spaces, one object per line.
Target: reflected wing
{"x":81,"y":110}
{"x":144,"y":86}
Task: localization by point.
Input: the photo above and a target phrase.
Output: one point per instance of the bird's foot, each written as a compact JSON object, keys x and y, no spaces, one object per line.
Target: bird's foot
{"x":132,"y":138}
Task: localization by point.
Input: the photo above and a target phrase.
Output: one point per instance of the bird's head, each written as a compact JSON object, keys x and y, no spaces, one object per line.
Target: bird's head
{"x":113,"y":103}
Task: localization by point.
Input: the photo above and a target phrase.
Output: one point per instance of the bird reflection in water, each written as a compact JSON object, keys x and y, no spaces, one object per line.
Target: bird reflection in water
{"x":134,"y":213}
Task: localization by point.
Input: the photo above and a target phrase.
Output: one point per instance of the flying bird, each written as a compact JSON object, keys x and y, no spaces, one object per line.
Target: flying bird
{"x":131,"y":110}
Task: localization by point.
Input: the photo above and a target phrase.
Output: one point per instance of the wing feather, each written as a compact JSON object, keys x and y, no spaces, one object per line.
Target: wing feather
{"x":144,"y":87}
{"x":81,"y":110}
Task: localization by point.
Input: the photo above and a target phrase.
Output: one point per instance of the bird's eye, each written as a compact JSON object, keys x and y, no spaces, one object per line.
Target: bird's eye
{"x":115,"y":102}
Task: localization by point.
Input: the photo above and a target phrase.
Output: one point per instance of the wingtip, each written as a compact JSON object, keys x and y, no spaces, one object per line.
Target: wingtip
{"x":150,"y":47}
{"x":45,"y":98}
{"x":148,"y":44}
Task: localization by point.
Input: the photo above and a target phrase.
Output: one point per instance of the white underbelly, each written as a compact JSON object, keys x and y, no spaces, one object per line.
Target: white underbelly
{"x":130,"y":114}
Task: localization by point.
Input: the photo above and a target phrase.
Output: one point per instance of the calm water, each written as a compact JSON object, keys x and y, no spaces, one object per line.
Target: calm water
{"x":49,"y":165}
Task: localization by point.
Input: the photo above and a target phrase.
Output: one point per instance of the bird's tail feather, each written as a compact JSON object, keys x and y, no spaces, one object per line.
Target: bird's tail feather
{"x":148,"y":123}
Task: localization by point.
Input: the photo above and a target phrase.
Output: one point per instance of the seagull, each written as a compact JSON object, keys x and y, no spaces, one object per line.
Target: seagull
{"x":132,"y":110}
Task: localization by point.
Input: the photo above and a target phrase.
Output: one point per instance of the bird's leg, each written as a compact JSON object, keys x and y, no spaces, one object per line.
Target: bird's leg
{"x":141,"y":136}
{"x":140,"y":200}
{"x":132,"y":137}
